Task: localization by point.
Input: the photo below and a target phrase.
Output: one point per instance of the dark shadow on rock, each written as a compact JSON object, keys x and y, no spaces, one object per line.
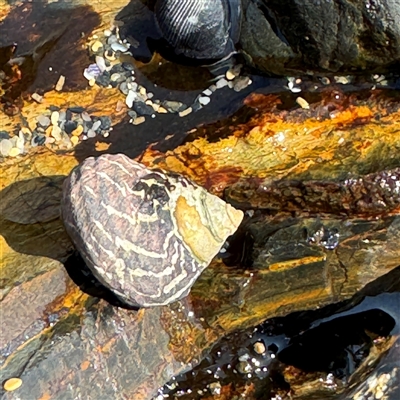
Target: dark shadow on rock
{"x":30,"y":223}
{"x":46,"y":35}
{"x":87,"y":282}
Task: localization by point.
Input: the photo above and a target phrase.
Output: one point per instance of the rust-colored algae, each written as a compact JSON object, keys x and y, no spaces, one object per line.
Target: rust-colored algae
{"x":276,"y":148}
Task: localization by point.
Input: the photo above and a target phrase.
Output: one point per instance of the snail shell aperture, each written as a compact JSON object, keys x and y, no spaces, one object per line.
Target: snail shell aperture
{"x":200,"y":29}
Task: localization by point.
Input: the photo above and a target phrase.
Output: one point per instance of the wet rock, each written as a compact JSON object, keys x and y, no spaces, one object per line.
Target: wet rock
{"x":327,"y":36}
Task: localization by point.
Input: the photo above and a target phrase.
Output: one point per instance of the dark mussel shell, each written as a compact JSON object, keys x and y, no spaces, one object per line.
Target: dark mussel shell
{"x":200,"y":29}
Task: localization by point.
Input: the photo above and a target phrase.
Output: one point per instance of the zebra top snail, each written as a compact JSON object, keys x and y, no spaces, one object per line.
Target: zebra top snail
{"x":145,"y":234}
{"x":200,"y":29}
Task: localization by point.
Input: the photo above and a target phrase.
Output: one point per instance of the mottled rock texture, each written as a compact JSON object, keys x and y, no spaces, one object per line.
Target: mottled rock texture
{"x":325,"y":36}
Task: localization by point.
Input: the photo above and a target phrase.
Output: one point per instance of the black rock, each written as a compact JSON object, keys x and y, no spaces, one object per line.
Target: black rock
{"x":117,"y":68}
{"x":39,"y":139}
{"x":128,"y":66}
{"x":103,"y":79}
{"x":142,"y":108}
{"x":4,"y":135}
{"x":70,"y":126}
{"x":76,"y":110}
{"x":105,"y":123}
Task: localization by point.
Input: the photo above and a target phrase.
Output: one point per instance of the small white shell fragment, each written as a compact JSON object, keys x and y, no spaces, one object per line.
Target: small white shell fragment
{"x":303,"y":103}
{"x":185,"y":112}
{"x":37,"y":97}
{"x":55,"y":115}
{"x":132,"y":96}
{"x":107,"y":33}
{"x":101,"y":63}
{"x":60,"y":83}
{"x":204,"y":100}
{"x":207,"y":92}
{"x":138,"y":120}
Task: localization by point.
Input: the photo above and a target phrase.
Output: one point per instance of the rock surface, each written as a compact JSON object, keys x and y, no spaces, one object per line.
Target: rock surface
{"x":146,"y":235}
{"x":321,"y":36}
{"x":64,"y":336}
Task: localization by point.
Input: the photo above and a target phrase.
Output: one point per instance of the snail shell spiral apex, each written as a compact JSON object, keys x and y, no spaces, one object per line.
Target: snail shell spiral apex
{"x":145,"y":234}
{"x":200,"y":29}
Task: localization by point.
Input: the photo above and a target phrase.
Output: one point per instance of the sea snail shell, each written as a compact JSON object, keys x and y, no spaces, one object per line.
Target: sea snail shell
{"x":200,"y":29}
{"x":145,"y":234}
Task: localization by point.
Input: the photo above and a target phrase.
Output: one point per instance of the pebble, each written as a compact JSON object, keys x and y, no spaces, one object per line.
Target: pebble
{"x":92,"y":82}
{"x":221,"y":83}
{"x":119,"y":47}
{"x":123,"y":87}
{"x":230,"y":75}
{"x":132,"y":114}
{"x":74,"y":140}
{"x":110,"y":55}
{"x":117,"y":77}
{"x":43,"y":121}
{"x":302,"y":103}
{"x":119,"y":106}
{"x":132,"y":96}
{"x":5,"y":147}
{"x":70,"y":126}
{"x":142,"y":108}
{"x":101,"y":63}
{"x":39,"y":139}
{"x":107,"y":33}
{"x":12,"y":384}
{"x":4,"y":135}
{"x":60,"y":83}
{"x":241,"y":83}
{"x":105,"y":122}
{"x":20,"y":143}
{"x":138,"y":120}
{"x":173,"y":106}
{"x":112,"y":39}
{"x":91,"y":133}
{"x":207,"y":92}
{"x":14,"y":152}
{"x":56,"y":132}
{"x":259,"y":348}
{"x":55,"y":116}
{"x":185,"y":112}
{"x":86,"y":117}
{"x":96,"y":126}
{"x":204,"y":100}
{"x":162,"y":110}
{"x":93,"y":71}
{"x":127,"y":66}
{"x":49,"y":130}
{"x":26,"y":131}
{"x":96,"y":46}
{"x":103,"y":79}
{"x":37,"y":97}
{"x":142,"y":90}
{"x":77,"y":131}
{"x":50,"y":140}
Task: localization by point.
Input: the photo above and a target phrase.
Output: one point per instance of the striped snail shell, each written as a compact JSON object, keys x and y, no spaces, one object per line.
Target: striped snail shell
{"x":200,"y":29}
{"x":145,"y":234}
